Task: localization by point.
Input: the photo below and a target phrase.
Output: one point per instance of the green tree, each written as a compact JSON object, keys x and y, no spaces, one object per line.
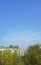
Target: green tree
{"x":7,"y":58}
{"x":0,"y":57}
{"x":11,"y":46}
{"x":16,"y":47}
{"x":33,"y":55}
{"x":17,"y":59}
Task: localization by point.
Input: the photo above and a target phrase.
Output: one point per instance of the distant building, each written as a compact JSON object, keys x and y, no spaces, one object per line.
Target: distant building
{"x":19,"y":51}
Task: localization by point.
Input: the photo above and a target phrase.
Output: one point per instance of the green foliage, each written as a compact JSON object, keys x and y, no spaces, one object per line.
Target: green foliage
{"x":17,"y":59}
{"x":11,"y":46}
{"x":0,"y":57}
{"x":7,"y":58}
{"x":16,"y":47}
{"x":31,"y":57}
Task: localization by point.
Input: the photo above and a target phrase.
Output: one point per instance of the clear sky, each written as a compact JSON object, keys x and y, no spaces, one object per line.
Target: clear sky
{"x":20,"y":22}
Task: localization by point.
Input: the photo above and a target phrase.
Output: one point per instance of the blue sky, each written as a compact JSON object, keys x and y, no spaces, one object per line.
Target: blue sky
{"x":20,"y":22}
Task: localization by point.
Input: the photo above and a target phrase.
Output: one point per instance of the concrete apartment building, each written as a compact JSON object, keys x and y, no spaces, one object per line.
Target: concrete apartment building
{"x":19,"y":51}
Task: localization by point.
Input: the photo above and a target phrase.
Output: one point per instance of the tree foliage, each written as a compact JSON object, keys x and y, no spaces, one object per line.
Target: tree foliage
{"x":32,"y":56}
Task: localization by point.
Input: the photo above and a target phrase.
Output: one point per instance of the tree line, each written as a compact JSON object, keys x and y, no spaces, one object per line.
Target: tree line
{"x":32,"y":56}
